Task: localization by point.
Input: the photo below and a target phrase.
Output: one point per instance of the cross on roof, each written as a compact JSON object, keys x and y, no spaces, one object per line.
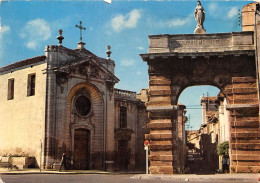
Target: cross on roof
{"x":81,"y":28}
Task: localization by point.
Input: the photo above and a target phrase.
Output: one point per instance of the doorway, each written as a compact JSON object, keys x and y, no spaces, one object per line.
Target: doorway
{"x":81,"y":149}
{"x":123,"y":155}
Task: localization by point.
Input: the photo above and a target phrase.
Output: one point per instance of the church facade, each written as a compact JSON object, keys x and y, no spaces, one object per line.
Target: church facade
{"x":65,"y":100}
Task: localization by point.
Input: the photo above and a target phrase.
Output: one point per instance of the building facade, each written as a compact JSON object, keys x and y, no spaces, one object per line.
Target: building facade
{"x":65,"y":100}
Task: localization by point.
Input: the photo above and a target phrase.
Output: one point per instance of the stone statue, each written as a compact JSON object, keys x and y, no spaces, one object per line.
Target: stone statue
{"x":199,"y":17}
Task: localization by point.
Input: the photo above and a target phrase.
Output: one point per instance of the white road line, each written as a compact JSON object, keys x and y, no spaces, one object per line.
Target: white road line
{"x":1,"y":181}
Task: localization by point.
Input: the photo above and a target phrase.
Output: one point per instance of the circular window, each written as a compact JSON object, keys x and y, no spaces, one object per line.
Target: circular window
{"x":83,"y":105}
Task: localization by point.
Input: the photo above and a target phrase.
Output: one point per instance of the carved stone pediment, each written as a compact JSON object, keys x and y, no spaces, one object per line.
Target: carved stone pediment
{"x":88,"y":70}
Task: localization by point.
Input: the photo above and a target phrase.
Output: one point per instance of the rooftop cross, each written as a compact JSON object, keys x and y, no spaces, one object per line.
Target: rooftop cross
{"x":81,"y":28}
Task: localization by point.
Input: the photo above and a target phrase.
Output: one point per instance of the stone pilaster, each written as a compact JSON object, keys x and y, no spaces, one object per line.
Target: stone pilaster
{"x":51,"y":52}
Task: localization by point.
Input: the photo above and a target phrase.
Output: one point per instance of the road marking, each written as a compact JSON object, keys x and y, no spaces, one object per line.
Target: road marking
{"x":1,"y":181}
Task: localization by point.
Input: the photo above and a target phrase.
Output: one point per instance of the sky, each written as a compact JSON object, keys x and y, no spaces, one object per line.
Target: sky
{"x":28,"y":26}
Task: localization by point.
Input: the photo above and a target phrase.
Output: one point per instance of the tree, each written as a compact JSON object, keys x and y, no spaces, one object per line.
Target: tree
{"x":223,"y":149}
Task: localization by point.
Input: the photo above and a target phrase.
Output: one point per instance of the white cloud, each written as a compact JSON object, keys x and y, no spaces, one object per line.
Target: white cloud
{"x":35,"y":32}
{"x":232,"y":12}
{"x":138,"y":73}
{"x":127,"y":62}
{"x":213,"y":7}
{"x":130,"y":20}
{"x":140,"y":48}
{"x":176,"y":22}
{"x":3,"y":30}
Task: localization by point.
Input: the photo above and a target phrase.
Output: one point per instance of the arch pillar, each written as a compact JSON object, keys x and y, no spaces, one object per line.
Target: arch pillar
{"x":244,"y":125}
{"x":162,"y":126}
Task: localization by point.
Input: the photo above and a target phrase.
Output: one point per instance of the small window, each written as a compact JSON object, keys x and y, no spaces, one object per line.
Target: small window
{"x":31,"y":85}
{"x":10,"y":94}
{"x":123,"y":117}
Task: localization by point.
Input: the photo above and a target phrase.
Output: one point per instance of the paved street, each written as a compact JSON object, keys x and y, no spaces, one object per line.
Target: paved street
{"x":129,"y":178}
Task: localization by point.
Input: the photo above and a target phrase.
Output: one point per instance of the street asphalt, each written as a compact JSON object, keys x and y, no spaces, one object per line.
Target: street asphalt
{"x":95,"y":176}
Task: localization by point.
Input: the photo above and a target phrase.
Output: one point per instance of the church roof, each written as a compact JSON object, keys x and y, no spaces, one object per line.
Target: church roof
{"x":23,"y":63}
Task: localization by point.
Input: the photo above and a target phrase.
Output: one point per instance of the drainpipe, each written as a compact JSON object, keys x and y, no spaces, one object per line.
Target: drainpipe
{"x":256,"y":59}
{"x":104,"y":132}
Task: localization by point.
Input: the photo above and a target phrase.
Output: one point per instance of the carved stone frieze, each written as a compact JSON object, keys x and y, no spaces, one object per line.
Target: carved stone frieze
{"x":61,"y":77}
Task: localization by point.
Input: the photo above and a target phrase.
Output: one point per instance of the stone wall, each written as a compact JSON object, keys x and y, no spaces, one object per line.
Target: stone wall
{"x":22,"y":119}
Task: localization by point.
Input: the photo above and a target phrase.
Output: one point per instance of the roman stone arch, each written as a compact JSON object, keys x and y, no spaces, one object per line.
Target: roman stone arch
{"x":92,"y":122}
{"x":224,"y":60}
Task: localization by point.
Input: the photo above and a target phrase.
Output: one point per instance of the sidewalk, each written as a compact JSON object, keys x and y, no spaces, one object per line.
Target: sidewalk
{"x":37,"y":171}
{"x":246,"y":178}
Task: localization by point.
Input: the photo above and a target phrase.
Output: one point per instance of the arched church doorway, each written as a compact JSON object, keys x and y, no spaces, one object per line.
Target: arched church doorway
{"x":81,"y":149}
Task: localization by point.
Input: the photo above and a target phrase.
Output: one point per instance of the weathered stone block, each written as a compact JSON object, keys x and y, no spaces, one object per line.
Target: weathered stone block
{"x":245,"y":141}
{"x":160,"y":82}
{"x":246,"y":146}
{"x":159,"y":103}
{"x":159,"y":92}
{"x":160,"y":99}
{"x":245,"y":130}
{"x":244,"y":169}
{"x":160,"y":142}
{"x":161,"y":136}
{"x":155,"y":87}
{"x":247,"y":163}
{"x":245,"y":124}
{"x":239,"y":157}
{"x":161,"y":147}
{"x":244,"y":90}
{"x":245,"y":96}
{"x":247,"y":152}
{"x":161,"y":169}
{"x":243,"y":40}
{"x":246,"y":101}
{"x":244,"y":85}
{"x":245,"y":135}
{"x":160,"y":157}
{"x":243,"y":80}
{"x":159,"y":125}
{"x":160,"y":163}
{"x":161,"y":131}
{"x":160,"y":152}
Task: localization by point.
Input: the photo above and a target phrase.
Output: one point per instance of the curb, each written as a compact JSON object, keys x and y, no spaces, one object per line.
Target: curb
{"x":67,"y":172}
{"x":56,"y":173}
{"x":192,"y":178}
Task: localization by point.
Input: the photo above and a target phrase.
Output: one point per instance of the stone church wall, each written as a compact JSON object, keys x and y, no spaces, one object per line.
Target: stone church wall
{"x":22,"y":118}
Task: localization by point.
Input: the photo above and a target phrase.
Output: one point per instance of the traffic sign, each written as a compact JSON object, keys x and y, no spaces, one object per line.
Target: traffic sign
{"x":146,"y":143}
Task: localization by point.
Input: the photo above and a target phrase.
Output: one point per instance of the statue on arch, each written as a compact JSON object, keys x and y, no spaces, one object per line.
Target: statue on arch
{"x":199,"y":17}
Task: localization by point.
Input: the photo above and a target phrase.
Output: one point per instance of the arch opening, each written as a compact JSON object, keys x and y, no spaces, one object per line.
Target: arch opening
{"x":206,"y":126}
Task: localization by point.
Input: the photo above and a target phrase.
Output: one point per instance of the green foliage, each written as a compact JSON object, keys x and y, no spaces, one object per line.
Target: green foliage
{"x":223,"y":149}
